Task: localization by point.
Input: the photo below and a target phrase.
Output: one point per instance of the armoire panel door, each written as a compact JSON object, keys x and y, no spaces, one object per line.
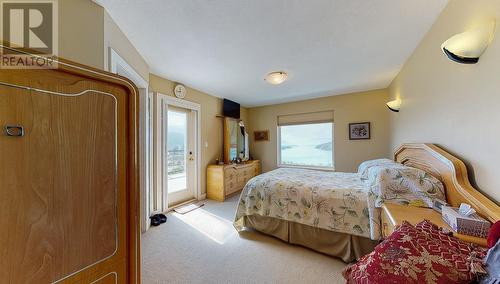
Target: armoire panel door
{"x":61,"y":203}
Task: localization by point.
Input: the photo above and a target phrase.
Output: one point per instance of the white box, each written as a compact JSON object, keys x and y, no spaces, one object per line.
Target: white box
{"x":472,"y":225}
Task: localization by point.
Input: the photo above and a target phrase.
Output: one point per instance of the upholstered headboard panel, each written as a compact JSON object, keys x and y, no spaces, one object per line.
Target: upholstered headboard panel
{"x":452,"y":173}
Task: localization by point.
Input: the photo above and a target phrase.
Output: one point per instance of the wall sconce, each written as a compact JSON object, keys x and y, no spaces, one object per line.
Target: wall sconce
{"x":394,"y":105}
{"x":467,"y":47}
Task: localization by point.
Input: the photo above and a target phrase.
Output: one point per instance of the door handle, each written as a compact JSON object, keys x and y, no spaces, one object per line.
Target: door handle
{"x":14,"y":130}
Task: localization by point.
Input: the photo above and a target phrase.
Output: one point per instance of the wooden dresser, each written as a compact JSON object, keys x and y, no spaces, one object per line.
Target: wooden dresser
{"x":225,"y":180}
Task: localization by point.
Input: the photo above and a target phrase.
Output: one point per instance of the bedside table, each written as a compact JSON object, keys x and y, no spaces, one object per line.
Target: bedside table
{"x":393,"y":215}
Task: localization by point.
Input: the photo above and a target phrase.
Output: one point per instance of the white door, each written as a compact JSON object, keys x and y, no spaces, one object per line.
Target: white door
{"x":177,"y":151}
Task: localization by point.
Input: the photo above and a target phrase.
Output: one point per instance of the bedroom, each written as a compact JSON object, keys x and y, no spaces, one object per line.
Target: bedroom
{"x":340,"y":63}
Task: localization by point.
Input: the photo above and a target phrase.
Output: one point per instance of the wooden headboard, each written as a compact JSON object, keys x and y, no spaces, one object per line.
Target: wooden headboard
{"x":452,"y":173}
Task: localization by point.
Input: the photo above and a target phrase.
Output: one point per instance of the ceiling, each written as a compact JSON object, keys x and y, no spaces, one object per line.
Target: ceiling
{"x":226,"y":47}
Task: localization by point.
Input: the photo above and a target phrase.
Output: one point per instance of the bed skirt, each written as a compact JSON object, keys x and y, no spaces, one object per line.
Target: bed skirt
{"x":344,"y":246}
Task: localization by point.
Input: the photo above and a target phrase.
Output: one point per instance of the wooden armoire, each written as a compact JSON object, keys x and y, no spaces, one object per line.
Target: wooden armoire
{"x":69,"y":196}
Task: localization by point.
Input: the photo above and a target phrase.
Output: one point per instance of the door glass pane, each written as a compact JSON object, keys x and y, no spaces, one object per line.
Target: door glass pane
{"x":307,"y":145}
{"x":176,"y":151}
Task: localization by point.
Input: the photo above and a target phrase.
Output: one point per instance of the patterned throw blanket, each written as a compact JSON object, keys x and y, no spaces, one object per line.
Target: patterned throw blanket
{"x":333,"y":201}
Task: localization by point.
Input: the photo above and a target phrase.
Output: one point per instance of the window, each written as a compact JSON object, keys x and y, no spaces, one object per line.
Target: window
{"x":306,"y":144}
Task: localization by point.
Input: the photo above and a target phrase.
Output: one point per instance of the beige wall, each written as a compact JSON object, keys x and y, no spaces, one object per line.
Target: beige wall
{"x":211,"y":126}
{"x":454,"y":105}
{"x":358,"y":107}
{"x":244,"y":117}
{"x":114,"y":38}
{"x":86,"y":32}
{"x":81,"y":32}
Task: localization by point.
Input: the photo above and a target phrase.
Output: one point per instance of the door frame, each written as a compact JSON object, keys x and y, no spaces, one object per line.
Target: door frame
{"x":117,"y":62}
{"x":163,"y":100}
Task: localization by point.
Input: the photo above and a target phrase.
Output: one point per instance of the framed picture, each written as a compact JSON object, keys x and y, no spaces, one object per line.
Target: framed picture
{"x":262,"y":135}
{"x":359,"y":131}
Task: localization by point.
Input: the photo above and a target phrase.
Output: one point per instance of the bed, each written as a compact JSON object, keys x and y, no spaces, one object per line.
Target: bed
{"x":309,"y":208}
{"x":338,"y":213}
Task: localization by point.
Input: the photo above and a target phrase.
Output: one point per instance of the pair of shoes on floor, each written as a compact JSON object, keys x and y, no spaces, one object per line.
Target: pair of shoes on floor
{"x":158,"y":219}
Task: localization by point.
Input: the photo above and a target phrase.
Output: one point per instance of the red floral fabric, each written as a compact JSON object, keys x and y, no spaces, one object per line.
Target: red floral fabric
{"x":448,"y":239}
{"x":411,"y":255}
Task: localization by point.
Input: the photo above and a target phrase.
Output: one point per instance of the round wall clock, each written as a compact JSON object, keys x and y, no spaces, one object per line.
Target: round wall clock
{"x":180,"y":91}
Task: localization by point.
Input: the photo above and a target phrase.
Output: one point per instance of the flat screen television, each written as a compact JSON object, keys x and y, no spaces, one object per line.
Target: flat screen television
{"x":231,"y":109}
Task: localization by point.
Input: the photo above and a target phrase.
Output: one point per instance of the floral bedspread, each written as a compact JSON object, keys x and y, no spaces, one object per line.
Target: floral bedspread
{"x":333,"y":201}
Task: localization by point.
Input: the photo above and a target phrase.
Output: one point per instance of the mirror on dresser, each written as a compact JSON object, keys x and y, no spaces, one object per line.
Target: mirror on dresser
{"x":235,"y":141}
{"x":230,"y":178}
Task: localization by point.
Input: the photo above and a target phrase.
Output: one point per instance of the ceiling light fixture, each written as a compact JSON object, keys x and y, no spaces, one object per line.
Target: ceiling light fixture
{"x":276,"y":78}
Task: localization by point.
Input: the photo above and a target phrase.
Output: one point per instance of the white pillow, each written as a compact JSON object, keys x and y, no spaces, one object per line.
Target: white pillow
{"x":366,"y":165}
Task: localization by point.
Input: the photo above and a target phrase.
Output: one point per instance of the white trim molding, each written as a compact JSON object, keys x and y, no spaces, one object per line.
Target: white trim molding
{"x":119,"y":66}
{"x":116,"y":60}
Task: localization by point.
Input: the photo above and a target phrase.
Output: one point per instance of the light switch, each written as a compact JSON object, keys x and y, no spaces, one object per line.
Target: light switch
{"x":206,"y":144}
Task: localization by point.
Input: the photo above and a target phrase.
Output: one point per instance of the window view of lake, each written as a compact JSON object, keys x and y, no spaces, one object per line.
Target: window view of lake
{"x":307,"y":145}
{"x":176,"y":142}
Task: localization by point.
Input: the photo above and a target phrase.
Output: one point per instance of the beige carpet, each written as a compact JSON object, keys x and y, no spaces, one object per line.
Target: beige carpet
{"x":202,"y":247}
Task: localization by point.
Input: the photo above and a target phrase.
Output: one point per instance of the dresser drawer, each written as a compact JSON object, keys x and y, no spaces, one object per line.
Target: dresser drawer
{"x":230,"y":183}
{"x":230,"y":173}
{"x":232,"y":187}
{"x":242,"y":181}
{"x":223,"y":180}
